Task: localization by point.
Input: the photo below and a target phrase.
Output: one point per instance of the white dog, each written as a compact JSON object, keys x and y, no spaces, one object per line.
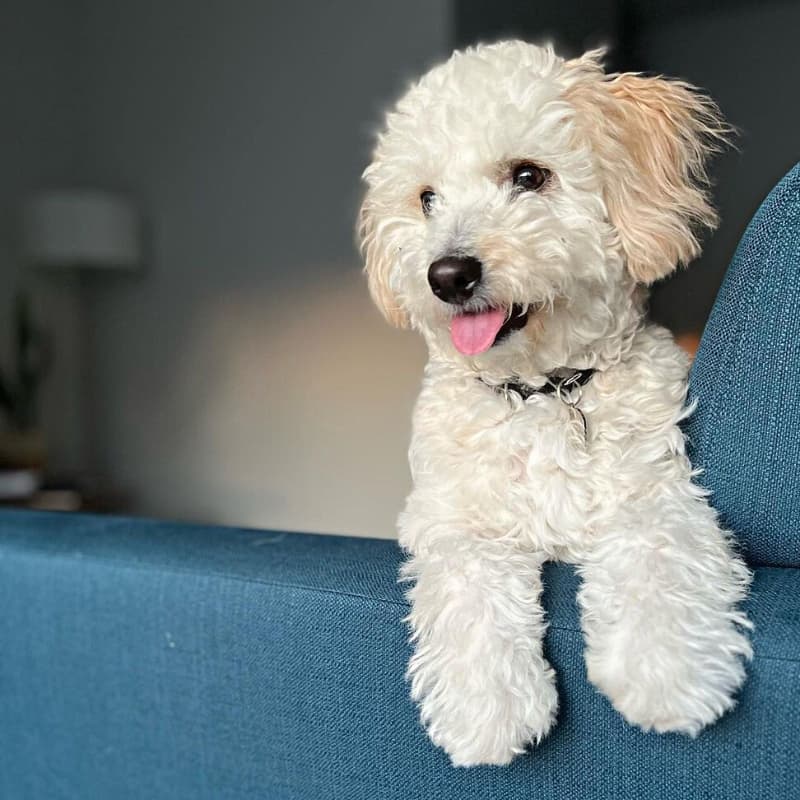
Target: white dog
{"x":517,"y":207}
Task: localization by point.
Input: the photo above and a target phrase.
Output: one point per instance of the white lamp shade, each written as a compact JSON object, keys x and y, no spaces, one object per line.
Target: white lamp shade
{"x":81,"y":228}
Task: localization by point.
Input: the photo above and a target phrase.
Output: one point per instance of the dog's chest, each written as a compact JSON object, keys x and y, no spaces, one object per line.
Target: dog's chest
{"x":520,"y":467}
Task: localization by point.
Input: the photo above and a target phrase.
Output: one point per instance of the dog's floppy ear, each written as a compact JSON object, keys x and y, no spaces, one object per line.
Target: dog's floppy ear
{"x":378,"y":262}
{"x":652,"y":138}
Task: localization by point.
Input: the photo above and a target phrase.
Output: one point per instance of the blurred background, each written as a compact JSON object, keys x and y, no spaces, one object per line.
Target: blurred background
{"x":184,"y":330}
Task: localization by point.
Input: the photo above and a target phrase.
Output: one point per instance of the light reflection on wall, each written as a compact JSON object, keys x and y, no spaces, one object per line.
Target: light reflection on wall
{"x":304,"y":420}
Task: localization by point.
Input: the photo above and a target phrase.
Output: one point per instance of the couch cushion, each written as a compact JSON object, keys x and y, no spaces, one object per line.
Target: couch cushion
{"x":744,"y":434}
{"x":150,"y":660}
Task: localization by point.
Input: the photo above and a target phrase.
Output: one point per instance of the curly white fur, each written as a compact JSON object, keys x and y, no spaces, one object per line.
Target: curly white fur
{"x":502,"y":485}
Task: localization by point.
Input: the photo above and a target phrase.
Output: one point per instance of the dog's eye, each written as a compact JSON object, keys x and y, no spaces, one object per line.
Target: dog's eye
{"x":427,"y":200}
{"x":529,"y":177}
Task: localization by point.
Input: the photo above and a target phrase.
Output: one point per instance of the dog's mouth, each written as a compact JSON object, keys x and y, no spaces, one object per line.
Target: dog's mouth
{"x":474,"y":332}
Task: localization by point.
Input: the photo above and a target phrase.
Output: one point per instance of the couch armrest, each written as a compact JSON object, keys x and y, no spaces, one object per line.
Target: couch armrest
{"x":152,"y":660}
{"x":743,"y":434}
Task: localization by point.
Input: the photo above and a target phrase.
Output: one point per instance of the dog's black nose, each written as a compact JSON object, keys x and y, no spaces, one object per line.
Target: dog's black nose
{"x":453,"y":278}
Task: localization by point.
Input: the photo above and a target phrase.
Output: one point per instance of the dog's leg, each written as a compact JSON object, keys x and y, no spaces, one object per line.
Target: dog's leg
{"x":478,"y":673}
{"x":664,"y":636}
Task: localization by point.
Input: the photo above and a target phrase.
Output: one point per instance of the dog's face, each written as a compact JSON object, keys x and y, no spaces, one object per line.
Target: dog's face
{"x":515,"y":200}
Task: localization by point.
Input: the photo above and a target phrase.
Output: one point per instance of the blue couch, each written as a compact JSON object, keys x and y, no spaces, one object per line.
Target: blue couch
{"x":152,"y":660}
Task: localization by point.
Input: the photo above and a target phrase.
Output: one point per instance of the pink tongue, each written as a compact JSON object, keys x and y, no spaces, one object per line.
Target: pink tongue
{"x":475,"y":333}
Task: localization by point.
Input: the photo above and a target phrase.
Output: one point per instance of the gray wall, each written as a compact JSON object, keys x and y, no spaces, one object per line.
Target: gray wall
{"x":244,"y":377}
{"x":41,"y":105}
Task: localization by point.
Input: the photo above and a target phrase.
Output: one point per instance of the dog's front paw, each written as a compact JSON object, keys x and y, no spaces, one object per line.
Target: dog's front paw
{"x":489,"y":727}
{"x":673,"y":686}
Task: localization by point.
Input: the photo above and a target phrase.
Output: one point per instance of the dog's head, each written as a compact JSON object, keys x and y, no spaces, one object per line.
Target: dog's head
{"x":516,"y":200}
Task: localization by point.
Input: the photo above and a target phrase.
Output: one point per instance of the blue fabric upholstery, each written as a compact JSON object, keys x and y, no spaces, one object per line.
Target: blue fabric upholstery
{"x":152,"y":660}
{"x":745,"y":434}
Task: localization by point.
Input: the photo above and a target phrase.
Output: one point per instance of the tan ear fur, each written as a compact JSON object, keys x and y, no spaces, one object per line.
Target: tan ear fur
{"x":377,"y":264}
{"x":652,"y":138}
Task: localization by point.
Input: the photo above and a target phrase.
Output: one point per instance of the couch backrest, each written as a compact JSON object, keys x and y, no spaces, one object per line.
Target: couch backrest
{"x":745,"y":433}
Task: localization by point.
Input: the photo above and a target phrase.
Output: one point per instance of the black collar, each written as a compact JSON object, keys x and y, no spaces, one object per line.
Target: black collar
{"x":560,"y":382}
